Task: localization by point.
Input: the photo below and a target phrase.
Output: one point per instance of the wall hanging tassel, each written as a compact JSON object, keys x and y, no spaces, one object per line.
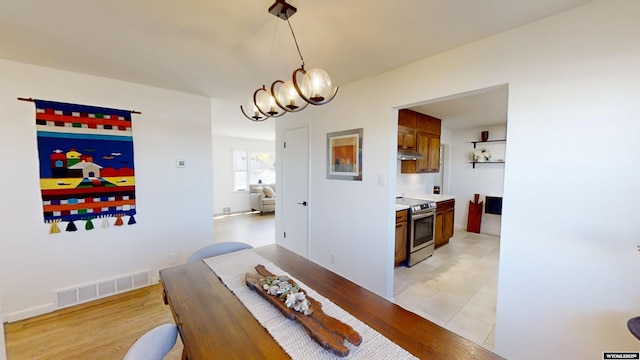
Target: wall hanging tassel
{"x":132,"y":220}
{"x":119,"y":221}
{"x":71,"y":226}
{"x":54,"y":227}
{"x":105,"y":222}
{"x":88,"y":225}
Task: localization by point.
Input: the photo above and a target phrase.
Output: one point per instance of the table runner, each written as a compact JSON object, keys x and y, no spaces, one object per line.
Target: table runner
{"x":289,"y":334}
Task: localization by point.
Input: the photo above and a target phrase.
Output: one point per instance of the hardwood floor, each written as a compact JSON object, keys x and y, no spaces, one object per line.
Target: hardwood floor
{"x":105,"y":329}
{"x":99,"y":330}
{"x":251,"y":228}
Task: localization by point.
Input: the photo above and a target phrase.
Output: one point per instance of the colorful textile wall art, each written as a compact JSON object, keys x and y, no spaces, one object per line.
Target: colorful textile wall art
{"x":86,"y":165}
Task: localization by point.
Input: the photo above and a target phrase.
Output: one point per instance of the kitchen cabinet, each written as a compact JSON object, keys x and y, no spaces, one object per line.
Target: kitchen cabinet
{"x":406,"y":139}
{"x":407,"y":118}
{"x":431,"y":164}
{"x":426,"y":135}
{"x":401,"y":237}
{"x":429,"y":146}
{"x":445,"y":211}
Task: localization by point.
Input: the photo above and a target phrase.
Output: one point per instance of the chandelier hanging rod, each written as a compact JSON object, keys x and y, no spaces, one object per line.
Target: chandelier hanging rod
{"x":295,"y":41}
{"x":285,"y":11}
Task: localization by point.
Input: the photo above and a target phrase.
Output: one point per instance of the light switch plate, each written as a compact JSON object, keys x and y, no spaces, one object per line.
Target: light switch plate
{"x":382,"y":180}
{"x":180,"y":163}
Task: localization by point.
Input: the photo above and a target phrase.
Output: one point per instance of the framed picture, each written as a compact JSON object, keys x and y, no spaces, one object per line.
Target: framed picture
{"x":344,"y":155}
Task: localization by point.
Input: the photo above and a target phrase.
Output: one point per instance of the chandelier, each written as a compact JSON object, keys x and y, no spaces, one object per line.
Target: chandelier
{"x":306,"y":87}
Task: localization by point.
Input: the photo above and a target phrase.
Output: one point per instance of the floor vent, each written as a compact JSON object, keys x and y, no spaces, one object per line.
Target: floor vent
{"x":80,"y":294}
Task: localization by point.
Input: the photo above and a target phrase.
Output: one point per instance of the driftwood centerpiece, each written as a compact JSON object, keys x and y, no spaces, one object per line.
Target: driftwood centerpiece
{"x":327,"y":331}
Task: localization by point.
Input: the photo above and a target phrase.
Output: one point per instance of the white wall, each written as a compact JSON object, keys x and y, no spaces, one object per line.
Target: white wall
{"x":347,"y":218}
{"x":3,"y":353}
{"x":223,"y":193}
{"x":567,"y":280}
{"x":484,"y":179}
{"x":174,"y":206}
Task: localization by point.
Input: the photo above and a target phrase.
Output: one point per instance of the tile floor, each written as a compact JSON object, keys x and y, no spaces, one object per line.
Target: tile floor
{"x":455,"y":288}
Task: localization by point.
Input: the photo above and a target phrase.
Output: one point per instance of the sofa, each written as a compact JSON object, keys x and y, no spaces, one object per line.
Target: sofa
{"x":262,"y":197}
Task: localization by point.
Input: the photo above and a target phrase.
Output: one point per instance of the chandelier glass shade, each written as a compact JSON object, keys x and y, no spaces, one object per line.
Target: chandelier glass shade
{"x":266,"y":103}
{"x":314,"y":86}
{"x":251,"y":112}
{"x":287,"y":96}
{"x":305,"y":87}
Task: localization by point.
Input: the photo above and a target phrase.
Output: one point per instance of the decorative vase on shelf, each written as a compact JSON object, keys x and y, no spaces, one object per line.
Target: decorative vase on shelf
{"x":481,"y":155}
{"x":485,"y":135}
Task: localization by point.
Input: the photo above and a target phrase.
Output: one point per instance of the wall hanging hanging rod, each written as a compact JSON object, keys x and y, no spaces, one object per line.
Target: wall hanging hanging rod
{"x":33,"y":100}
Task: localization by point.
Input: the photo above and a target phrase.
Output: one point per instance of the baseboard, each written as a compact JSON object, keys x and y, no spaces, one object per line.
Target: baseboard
{"x":85,"y":293}
{"x":248,"y":211}
{"x":28,"y":313}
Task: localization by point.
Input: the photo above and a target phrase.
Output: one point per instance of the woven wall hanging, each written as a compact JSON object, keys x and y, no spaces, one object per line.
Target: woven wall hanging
{"x":86,"y":165}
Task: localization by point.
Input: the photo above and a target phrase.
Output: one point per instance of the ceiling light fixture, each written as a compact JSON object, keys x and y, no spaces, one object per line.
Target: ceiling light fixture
{"x":306,"y":87}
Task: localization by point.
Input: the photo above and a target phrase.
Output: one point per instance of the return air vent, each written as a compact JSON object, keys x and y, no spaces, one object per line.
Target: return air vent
{"x":87,"y":292}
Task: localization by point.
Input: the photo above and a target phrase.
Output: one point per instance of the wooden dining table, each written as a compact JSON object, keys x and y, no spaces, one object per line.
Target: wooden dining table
{"x":214,"y":324}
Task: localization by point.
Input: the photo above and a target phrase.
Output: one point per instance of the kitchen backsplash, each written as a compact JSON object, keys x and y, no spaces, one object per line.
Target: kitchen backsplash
{"x":415,"y":183}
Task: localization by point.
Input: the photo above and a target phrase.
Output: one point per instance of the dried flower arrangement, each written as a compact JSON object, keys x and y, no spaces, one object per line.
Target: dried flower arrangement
{"x":481,"y":155}
{"x":289,"y":293}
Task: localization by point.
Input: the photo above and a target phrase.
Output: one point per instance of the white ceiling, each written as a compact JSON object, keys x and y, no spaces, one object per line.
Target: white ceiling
{"x":478,"y":108}
{"x":227,"y":49}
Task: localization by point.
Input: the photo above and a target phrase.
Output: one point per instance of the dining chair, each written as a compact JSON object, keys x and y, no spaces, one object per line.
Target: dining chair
{"x":155,"y":344}
{"x":634,"y":326}
{"x":217,"y":249}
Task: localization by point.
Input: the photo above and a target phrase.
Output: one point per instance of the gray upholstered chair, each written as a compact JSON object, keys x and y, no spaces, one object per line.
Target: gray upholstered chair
{"x":217,"y":249}
{"x":155,"y":344}
{"x":634,"y":326}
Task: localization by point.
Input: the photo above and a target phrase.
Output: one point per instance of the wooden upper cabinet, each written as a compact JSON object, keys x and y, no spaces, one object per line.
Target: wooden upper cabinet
{"x":407,"y":118}
{"x":423,"y":140}
{"x":428,"y":124}
{"x":433,"y":154}
{"x":406,"y":138}
{"x":426,"y":139}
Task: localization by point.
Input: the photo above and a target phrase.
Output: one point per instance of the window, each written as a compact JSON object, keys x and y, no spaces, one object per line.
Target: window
{"x":251,"y":167}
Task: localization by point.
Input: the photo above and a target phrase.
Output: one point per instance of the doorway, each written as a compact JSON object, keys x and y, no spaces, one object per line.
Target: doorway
{"x":457,"y":287}
{"x":442,"y":177}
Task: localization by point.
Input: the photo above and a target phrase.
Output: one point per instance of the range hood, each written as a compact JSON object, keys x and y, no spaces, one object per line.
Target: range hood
{"x":409,"y":155}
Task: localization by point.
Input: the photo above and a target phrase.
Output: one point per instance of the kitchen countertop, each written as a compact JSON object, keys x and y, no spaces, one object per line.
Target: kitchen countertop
{"x":431,"y":197}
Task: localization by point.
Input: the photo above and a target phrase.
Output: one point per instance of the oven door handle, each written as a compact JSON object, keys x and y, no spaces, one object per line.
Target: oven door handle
{"x":422,"y":215}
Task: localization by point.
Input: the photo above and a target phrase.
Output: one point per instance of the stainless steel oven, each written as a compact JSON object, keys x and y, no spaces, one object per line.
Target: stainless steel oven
{"x":421,"y":234}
